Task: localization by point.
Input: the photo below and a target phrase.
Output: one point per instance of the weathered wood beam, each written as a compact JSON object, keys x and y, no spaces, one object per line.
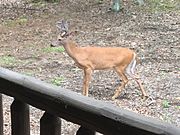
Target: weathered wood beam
{"x":85,"y":111}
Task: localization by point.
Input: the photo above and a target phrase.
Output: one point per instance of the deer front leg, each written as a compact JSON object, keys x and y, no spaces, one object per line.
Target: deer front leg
{"x":87,"y":78}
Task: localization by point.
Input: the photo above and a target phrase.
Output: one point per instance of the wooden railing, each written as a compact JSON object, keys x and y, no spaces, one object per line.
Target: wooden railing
{"x":59,"y":103}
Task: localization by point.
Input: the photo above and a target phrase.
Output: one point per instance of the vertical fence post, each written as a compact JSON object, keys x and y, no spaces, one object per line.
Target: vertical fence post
{"x":1,"y":115}
{"x":50,"y":125}
{"x":20,"y":118}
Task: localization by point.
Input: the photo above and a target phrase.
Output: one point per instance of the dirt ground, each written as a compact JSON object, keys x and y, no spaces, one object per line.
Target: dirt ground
{"x":26,"y":31}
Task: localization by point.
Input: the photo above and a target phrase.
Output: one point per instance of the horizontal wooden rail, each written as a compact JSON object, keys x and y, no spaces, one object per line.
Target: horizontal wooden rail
{"x":96,"y":115}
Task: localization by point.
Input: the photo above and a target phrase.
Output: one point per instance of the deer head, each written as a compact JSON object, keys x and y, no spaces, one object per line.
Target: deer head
{"x":63,"y":33}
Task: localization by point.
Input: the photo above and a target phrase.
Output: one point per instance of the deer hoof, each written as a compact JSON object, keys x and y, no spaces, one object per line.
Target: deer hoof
{"x":145,"y":97}
{"x":113,"y":98}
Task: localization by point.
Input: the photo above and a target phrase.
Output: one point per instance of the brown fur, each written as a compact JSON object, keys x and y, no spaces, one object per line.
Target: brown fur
{"x":100,"y":58}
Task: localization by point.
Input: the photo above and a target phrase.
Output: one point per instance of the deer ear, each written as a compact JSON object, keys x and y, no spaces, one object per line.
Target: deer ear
{"x":66,"y":25}
{"x":62,"y":25}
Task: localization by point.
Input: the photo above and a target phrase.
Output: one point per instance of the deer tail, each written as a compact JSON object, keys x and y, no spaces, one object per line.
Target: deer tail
{"x":130,"y":70}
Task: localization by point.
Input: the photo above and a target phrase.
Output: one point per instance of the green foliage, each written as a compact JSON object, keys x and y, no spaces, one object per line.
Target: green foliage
{"x":55,"y":1}
{"x":99,"y":1}
{"x":7,"y":60}
{"x":41,"y":1}
{"x":57,"y":81}
{"x":30,"y":73}
{"x":167,"y":118}
{"x":165,"y":104}
{"x":18,"y":21}
{"x":38,"y":3}
{"x":53,"y":49}
{"x":139,"y":2}
{"x":22,"y":20}
{"x":163,"y":5}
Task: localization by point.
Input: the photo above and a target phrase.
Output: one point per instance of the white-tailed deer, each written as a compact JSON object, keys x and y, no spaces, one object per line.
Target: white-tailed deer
{"x":122,"y":60}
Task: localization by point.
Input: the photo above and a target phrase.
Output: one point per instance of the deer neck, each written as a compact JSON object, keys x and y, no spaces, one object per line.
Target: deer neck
{"x":71,"y":48}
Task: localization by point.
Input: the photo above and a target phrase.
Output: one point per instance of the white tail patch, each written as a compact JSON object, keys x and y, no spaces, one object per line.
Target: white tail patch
{"x":130,"y":70}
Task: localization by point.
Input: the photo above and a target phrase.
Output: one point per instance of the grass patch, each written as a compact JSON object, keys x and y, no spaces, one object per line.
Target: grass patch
{"x":7,"y":60}
{"x":53,"y":49}
{"x":167,"y":118}
{"x":38,"y":3}
{"x":165,"y":104}
{"x":41,"y":3}
{"x":163,"y":5}
{"x":57,"y":81}
{"x":55,"y":1}
{"x":99,"y":1}
{"x":29,"y":73}
{"x":22,"y":21}
{"x":18,"y":21}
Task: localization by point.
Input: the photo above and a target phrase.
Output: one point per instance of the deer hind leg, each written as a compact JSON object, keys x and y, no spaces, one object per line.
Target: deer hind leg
{"x":87,"y":78}
{"x":144,"y":94}
{"x":130,"y":70}
{"x":124,"y":78}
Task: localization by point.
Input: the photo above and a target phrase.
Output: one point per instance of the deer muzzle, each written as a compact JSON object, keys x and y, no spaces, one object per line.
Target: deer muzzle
{"x":55,"y":43}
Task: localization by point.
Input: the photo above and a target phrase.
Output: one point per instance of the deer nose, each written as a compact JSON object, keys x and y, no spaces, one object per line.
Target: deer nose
{"x":54,"y":43}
